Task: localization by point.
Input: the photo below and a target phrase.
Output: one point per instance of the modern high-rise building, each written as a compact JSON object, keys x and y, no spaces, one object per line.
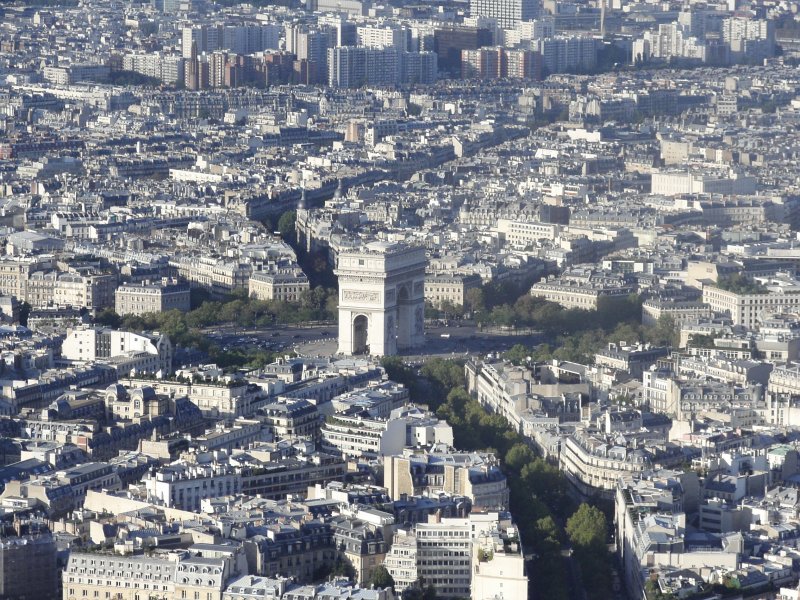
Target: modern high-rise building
{"x":450,"y":41}
{"x":240,"y":39}
{"x":419,"y":67}
{"x":355,"y":66}
{"x":507,"y":13}
{"x":754,"y":38}
{"x":382,"y":37}
{"x":567,"y":53}
{"x":497,"y":63}
{"x":475,"y":557}
{"x":310,"y":46}
{"x":28,"y":567}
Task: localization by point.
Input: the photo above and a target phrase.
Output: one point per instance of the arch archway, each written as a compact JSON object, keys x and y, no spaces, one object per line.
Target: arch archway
{"x":361,"y":334}
{"x":405,"y":315}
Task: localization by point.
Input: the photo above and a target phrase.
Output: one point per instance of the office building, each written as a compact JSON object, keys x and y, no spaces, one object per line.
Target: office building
{"x":507,"y":13}
{"x":151,"y":297}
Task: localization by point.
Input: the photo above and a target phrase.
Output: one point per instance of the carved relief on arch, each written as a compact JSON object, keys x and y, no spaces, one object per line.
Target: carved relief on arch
{"x":361,"y":296}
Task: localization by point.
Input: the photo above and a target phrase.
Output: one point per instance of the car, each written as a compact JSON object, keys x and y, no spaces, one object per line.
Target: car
{"x":325,"y":333}
{"x":276,"y":334}
{"x":296,"y":336}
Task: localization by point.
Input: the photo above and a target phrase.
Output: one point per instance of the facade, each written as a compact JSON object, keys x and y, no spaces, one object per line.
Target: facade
{"x":750,"y":309}
{"x":355,"y":436}
{"x":476,"y":476}
{"x":651,"y":529}
{"x":680,"y":311}
{"x":184,"y":485}
{"x":498,"y":564}
{"x":14,"y":275}
{"x":593,"y":462}
{"x":89,"y":291}
{"x":140,"y":299}
{"x":240,"y":39}
{"x":290,"y":418}
{"x":360,"y":540}
{"x":216,"y":399}
{"x":381,"y":299}
{"x":500,"y":63}
{"x":218,"y":276}
{"x":131,"y":351}
{"x":172,"y":575}
{"x":441,"y":288}
{"x":357,"y":66}
{"x":438,"y":553}
{"x":454,"y":555}
{"x":51,"y":288}
{"x":587,"y":296}
{"x":507,"y":13}
{"x":633,"y":359}
{"x":521,"y":234}
{"x":28,"y":569}
{"x":261,"y":470}
{"x":562,"y":53}
{"x":672,"y":183}
{"x":285,"y":285}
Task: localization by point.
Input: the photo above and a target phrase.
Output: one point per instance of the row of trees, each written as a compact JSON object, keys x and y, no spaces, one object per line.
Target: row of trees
{"x":539,"y":500}
{"x":553,"y":319}
{"x":316,"y":304}
{"x":581,"y":346}
{"x":185,"y":329}
{"x":740,"y":284}
{"x":587,"y":530}
{"x":506,"y":305}
{"x":174,"y":324}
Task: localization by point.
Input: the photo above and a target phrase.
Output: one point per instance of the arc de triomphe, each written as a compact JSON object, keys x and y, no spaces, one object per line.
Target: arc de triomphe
{"x":381,"y":298}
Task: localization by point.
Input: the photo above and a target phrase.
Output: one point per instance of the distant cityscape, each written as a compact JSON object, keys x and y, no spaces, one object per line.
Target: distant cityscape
{"x":350,"y":300}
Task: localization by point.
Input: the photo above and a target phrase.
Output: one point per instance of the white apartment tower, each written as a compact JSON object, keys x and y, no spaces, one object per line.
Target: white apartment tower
{"x":508,"y":13}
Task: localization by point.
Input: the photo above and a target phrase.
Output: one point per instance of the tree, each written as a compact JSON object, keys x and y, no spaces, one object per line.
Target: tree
{"x":332,"y":304}
{"x":197,"y":296}
{"x":412,"y":592}
{"x":517,"y":354}
{"x":450,"y":310}
{"x":313,"y":298}
{"x":381,"y":578}
{"x":343,"y":568}
{"x":474,"y":301}
{"x":286,"y":224}
{"x":665,"y":332}
{"x":586,"y":528}
{"x":546,"y":482}
{"x":740,"y":284}
{"x":445,"y":374}
{"x":107,"y":317}
{"x":518,"y":456}
{"x":503,"y":315}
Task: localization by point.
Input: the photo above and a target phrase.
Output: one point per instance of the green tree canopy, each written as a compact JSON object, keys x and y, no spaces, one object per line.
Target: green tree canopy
{"x":286,"y":224}
{"x":518,"y":456}
{"x":740,"y":284}
{"x":586,"y":528}
{"x":381,"y":578}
